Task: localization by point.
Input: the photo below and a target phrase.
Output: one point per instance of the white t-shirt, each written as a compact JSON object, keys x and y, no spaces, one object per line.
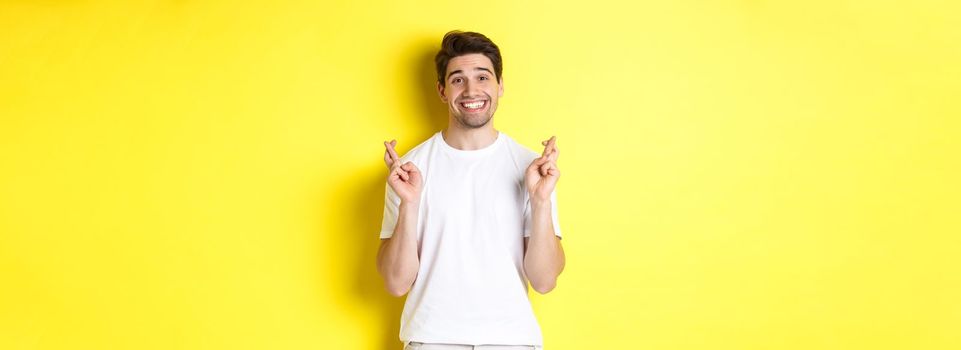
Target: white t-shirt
{"x":474,"y":214}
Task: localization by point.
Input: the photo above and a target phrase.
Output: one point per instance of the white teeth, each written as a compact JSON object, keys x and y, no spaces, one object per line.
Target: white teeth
{"x":473,"y":105}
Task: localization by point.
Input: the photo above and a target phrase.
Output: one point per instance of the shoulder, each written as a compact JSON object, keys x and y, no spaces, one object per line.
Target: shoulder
{"x":419,"y":153}
{"x":522,"y":153}
{"x":519,"y":154}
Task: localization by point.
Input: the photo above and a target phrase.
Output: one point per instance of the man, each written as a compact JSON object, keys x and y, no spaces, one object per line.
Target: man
{"x":470,"y":217}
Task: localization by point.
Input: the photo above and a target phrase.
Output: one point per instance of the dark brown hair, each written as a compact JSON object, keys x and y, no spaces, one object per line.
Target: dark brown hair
{"x":458,"y":43}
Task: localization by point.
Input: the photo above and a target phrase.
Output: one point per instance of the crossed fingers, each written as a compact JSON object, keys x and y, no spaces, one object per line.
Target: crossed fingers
{"x":549,"y":156}
{"x":550,"y":149}
{"x":390,"y":155}
{"x":393,"y":161}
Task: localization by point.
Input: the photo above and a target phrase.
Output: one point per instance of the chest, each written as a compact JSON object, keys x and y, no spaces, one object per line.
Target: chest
{"x":485,"y":193}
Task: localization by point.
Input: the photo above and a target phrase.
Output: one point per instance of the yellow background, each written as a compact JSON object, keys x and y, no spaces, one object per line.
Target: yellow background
{"x":737,"y":174}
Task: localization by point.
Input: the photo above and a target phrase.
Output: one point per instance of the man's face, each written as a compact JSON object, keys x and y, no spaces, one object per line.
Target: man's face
{"x":471,"y":91}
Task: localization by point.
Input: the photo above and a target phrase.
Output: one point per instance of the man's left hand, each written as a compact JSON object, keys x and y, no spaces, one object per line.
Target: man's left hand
{"x":542,"y":174}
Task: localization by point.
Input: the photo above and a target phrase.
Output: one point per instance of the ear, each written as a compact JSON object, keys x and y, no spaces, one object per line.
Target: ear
{"x":441,"y":92}
{"x":500,"y":88}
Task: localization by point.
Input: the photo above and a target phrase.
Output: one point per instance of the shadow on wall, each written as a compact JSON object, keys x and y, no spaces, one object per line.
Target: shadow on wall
{"x":364,"y":192}
{"x":366,"y":215}
{"x":433,"y":111}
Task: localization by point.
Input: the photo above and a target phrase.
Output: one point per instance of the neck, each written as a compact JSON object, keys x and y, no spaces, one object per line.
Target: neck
{"x":469,"y":139}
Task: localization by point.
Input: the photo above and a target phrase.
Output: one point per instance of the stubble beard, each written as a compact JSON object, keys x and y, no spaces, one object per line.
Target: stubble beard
{"x":474,"y":122}
{"x":469,"y":121}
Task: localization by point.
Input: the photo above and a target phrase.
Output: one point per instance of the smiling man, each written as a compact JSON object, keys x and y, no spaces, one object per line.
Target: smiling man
{"x":470,"y":217}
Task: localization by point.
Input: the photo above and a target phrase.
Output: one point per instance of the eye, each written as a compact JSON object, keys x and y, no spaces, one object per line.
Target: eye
{"x":457,"y":80}
{"x":484,"y":77}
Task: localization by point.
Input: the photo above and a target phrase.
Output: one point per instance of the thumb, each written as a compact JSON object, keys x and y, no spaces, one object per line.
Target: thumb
{"x":412,"y":171}
{"x":410,"y":168}
{"x":538,"y":162}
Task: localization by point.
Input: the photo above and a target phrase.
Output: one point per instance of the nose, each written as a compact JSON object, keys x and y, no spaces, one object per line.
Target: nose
{"x":472,"y":89}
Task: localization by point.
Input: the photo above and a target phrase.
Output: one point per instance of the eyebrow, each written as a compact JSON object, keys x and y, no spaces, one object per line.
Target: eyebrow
{"x":475,"y":68}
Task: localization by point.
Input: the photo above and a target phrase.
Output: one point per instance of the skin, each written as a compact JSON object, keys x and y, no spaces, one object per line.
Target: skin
{"x":470,"y":78}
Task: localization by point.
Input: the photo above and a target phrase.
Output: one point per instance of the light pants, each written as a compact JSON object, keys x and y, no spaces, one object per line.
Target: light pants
{"x":431,"y":346}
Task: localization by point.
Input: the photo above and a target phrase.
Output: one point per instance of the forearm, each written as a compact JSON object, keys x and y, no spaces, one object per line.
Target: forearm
{"x":544,"y":258}
{"x":397,"y":259}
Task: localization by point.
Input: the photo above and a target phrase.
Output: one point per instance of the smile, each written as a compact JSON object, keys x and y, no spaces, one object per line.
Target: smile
{"x":474,"y":106}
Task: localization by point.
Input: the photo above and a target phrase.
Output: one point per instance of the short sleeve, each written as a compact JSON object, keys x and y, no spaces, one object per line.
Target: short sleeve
{"x":528,"y":224}
{"x":391,"y":208}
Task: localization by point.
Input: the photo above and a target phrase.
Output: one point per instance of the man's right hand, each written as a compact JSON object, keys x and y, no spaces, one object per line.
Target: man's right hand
{"x":405,"y":178}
